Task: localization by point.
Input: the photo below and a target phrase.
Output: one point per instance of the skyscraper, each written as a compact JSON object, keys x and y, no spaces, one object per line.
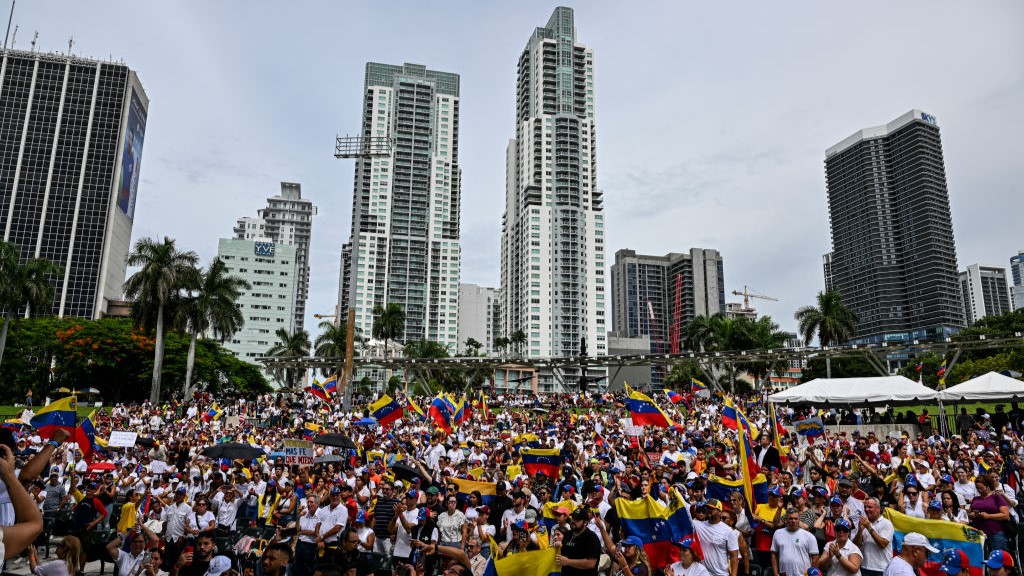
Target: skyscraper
{"x":1017,"y":272}
{"x":479,"y":316}
{"x":658,"y":296}
{"x":552,"y":238}
{"x":404,"y":247}
{"x":893,"y":255}
{"x":71,"y":134}
{"x":287,"y":219}
{"x":985,"y":291}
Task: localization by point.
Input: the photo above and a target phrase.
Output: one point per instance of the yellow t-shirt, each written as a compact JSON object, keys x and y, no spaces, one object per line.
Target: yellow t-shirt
{"x":127,"y":521}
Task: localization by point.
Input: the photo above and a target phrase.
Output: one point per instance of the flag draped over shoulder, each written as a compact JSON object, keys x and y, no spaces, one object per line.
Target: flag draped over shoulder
{"x":722,"y":488}
{"x":657,"y":525}
{"x":546,"y":460}
{"x":643,"y":410}
{"x":942,"y":535}
{"x":60,"y":414}
{"x":488,"y":490}
{"x":548,"y":516}
{"x":385,"y":410}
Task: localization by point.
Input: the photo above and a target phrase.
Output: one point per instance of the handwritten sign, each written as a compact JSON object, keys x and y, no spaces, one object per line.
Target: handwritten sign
{"x":298,"y":452}
{"x":120,"y":439}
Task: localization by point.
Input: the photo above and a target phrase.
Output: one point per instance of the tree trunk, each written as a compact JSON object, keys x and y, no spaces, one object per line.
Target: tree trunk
{"x":158,"y":356}
{"x":3,"y":335}
{"x":828,"y":367}
{"x":189,"y":366}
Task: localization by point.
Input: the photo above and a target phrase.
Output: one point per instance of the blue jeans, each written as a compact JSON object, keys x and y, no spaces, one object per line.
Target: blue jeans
{"x":866,"y":572}
{"x":996,"y":541}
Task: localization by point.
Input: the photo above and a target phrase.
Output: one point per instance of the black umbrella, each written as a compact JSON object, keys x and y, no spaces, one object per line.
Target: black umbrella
{"x":335,"y":439}
{"x":328,"y":458}
{"x":145,"y":441}
{"x":407,"y":472}
{"x":233,"y":451}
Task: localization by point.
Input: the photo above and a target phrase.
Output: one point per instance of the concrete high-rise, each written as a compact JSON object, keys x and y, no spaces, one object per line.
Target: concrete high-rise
{"x":985,"y":291}
{"x":272,"y":271}
{"x":287,"y":219}
{"x":404,"y":247}
{"x":893,"y":254}
{"x":644,"y":293}
{"x":552,"y":239}
{"x":479,"y":316}
{"x":71,"y":135}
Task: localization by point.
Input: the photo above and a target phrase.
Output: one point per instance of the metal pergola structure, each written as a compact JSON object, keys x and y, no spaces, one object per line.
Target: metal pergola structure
{"x":880,"y":356}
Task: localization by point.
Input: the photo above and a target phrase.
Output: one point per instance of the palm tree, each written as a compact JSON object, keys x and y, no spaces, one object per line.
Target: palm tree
{"x":764,"y":334}
{"x":517,"y":339}
{"x":388,"y":323}
{"x":473,"y":346}
{"x":500,"y":344}
{"x":294,"y":345}
{"x":427,"y":349}
{"x":333,"y":341}
{"x":27,"y":286}
{"x":212,"y":308}
{"x":164,"y":273}
{"x":832,"y":321}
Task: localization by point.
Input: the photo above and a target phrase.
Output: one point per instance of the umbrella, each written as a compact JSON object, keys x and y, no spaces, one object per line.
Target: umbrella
{"x":233,"y":451}
{"x":101,"y":467}
{"x":336,"y":440}
{"x":63,"y":390}
{"x":145,"y":441}
{"x":407,"y":472}
{"x":366,"y":422}
{"x":328,"y":458}
{"x":86,"y":391}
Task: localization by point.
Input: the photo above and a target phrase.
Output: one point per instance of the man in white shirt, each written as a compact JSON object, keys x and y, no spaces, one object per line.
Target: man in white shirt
{"x":874,"y":538}
{"x":309,"y":535}
{"x":718,"y":541}
{"x":912,"y":556}
{"x":794,"y":549}
{"x":333,"y":518}
{"x":407,"y":517}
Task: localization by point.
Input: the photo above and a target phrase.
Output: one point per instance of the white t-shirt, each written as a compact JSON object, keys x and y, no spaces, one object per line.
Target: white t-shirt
{"x":695,"y":569}
{"x":403,"y":542}
{"x":899,"y":567}
{"x":836,"y":569}
{"x":876,"y":558}
{"x":795,"y":548}
{"x":717,"y":541}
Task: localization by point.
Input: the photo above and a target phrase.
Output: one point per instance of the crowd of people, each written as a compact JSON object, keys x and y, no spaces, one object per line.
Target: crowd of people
{"x":395,"y":503}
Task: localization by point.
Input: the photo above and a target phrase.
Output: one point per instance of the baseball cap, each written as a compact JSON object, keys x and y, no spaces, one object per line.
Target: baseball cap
{"x":946,"y":478}
{"x":845,"y":482}
{"x":433,"y":491}
{"x":580,"y":514}
{"x":218,"y":566}
{"x":836,"y":500}
{"x":485,"y":509}
{"x":361,"y":516}
{"x":954,"y":561}
{"x":562,"y":510}
{"x":412,"y":494}
{"x":774,"y":491}
{"x":935,"y":504}
{"x":631,"y":541}
{"x":916,"y":539}
{"x":398,"y":484}
{"x":812,"y":572}
{"x":685,"y":543}
{"x":843,"y":524}
{"x":713,"y":503}
{"x":335,"y":491}
{"x":999,"y":559}
{"x":181,"y":490}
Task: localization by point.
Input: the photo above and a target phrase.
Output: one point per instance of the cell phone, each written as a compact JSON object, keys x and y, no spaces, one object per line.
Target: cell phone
{"x":187,"y":550}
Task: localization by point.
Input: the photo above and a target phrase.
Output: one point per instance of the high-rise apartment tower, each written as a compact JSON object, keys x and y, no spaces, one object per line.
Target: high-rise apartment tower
{"x":404,"y":247}
{"x":893,"y":255}
{"x":287,"y":219}
{"x":985,"y":291}
{"x":71,"y":134}
{"x":552,"y":240}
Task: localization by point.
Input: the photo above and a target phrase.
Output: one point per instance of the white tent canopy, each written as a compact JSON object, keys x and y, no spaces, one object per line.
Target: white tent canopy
{"x":877,"y":390}
{"x":991,"y":386}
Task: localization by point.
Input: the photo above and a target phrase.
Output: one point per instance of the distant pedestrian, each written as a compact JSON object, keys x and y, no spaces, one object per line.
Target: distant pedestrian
{"x":28,"y":399}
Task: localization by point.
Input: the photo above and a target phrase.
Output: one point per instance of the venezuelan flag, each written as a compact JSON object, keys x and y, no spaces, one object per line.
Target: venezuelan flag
{"x":776,"y":430}
{"x":748,"y":468}
{"x":60,"y":414}
{"x":410,"y":405}
{"x":810,"y":428}
{"x":697,"y":385}
{"x":440,"y":414}
{"x":546,"y":460}
{"x":318,"y":390}
{"x":673,"y":396}
{"x":310,"y":430}
{"x":330,"y":385}
{"x":461,"y":412}
{"x":85,"y":436}
{"x":658,"y":525}
{"x":488,"y":490}
{"x":212,"y":414}
{"x":942,"y":535}
{"x":643,"y":410}
{"x":721,"y":488}
{"x":534,"y":563}
{"x":548,"y":516}
{"x":731,"y":415}
{"x":385,"y":410}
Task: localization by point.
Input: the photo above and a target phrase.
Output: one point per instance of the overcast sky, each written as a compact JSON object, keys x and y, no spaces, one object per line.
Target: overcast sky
{"x":713,"y":117}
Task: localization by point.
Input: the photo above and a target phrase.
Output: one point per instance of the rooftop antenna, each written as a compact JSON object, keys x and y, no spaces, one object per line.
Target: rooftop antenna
{"x":9,"y":19}
{"x":71,"y":42}
{"x":34,"y":38}
{"x":14,"y":37}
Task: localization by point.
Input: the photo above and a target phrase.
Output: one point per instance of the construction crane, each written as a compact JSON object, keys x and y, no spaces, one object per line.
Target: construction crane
{"x":748,"y":294}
